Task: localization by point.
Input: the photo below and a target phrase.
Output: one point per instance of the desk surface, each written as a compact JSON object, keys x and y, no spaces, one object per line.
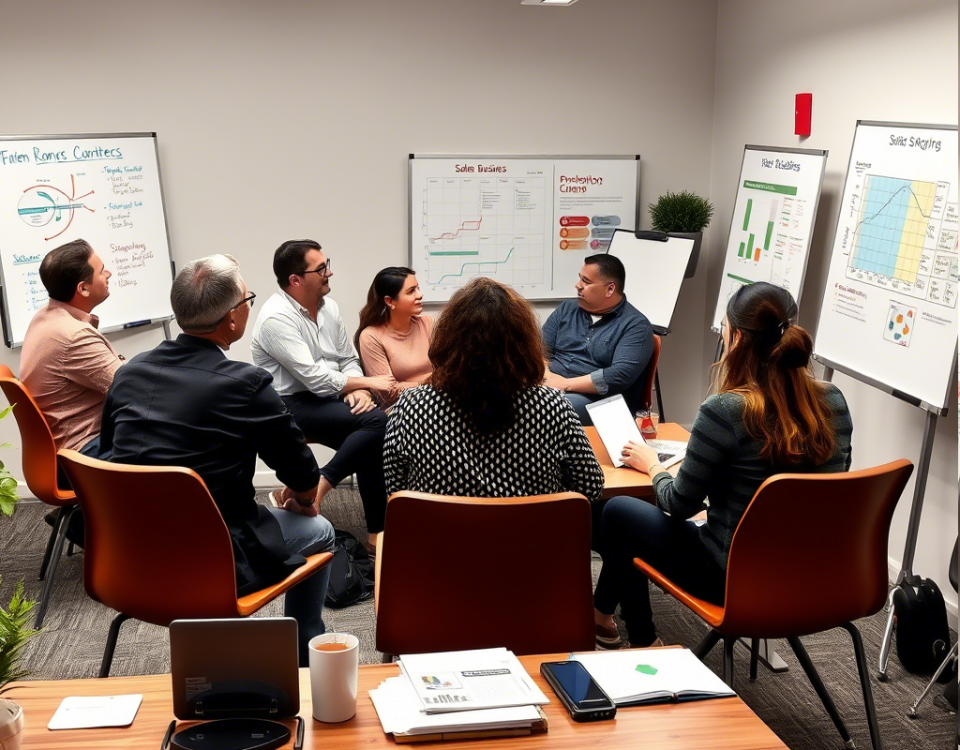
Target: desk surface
{"x":627,"y":481}
{"x":725,"y":723}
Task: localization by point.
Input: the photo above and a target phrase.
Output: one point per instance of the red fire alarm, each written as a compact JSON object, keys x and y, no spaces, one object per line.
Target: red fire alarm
{"x":802,"y":114}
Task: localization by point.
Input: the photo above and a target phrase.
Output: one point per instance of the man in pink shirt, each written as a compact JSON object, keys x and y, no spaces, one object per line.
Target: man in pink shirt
{"x":66,"y":363}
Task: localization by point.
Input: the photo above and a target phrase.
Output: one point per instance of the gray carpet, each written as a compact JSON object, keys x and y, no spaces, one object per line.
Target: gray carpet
{"x":74,"y":634}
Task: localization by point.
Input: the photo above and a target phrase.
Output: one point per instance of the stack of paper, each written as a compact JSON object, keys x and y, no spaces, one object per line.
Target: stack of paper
{"x":464,"y":693}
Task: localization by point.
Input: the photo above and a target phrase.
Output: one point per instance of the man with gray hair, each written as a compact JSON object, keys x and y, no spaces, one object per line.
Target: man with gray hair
{"x":186,"y":404}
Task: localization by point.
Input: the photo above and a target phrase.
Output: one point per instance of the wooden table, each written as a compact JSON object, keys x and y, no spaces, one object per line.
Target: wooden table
{"x":624,"y":480}
{"x":725,"y":723}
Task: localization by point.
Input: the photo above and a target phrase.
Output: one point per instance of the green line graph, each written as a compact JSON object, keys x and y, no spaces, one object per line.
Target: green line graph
{"x":476,"y":263}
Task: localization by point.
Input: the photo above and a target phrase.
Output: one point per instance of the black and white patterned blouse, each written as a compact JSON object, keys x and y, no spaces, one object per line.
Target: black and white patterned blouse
{"x":431,"y":446}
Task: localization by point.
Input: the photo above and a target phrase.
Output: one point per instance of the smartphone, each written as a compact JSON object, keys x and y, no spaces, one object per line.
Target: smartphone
{"x":578,"y":691}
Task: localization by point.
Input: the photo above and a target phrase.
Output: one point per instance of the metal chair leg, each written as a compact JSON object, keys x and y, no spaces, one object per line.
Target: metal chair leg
{"x":728,"y":643}
{"x":804,"y":658}
{"x":706,"y":645}
{"x":70,"y":549}
{"x":887,"y":639}
{"x":656,"y":385}
{"x":754,"y":658}
{"x":54,"y":561}
{"x":112,"y":636}
{"x":864,"y":671}
{"x":57,"y":520}
{"x":913,"y":713}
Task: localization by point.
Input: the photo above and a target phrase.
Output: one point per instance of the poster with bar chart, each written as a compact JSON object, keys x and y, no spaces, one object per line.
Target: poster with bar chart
{"x":773,"y":218}
{"x":889,"y":312}
{"x":527,"y":221}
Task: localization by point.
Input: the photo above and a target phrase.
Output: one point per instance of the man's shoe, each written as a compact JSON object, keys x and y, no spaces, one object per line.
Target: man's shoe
{"x":608,"y":638}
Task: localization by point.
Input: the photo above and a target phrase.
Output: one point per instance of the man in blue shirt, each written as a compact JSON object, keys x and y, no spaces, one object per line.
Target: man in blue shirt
{"x":598,"y":345}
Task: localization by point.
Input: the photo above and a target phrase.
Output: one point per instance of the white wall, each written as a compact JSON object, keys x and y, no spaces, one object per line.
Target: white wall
{"x":295,"y":118}
{"x":861,"y":59}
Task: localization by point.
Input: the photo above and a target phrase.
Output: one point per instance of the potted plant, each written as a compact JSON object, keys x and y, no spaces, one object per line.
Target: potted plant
{"x":14,"y":635}
{"x":683,"y":214}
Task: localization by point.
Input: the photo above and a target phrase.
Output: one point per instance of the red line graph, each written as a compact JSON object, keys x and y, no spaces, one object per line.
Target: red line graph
{"x":466,"y":226}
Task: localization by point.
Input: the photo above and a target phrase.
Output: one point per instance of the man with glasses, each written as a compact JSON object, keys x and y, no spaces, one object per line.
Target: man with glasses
{"x":186,"y":404}
{"x":300,"y":339}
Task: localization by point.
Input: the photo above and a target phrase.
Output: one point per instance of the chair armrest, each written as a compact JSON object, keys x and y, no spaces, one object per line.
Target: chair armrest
{"x":250,"y":603}
{"x":712,"y":614}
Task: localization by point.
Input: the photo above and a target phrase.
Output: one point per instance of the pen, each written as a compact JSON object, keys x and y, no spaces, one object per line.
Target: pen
{"x":166,"y":737}
{"x":136,"y":324}
{"x":298,"y":744}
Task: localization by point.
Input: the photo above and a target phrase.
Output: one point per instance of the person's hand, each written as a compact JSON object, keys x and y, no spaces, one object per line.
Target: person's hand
{"x":360,"y":401}
{"x":639,"y":456}
{"x":381,"y":383}
{"x":291,"y":501}
{"x":552,"y":380}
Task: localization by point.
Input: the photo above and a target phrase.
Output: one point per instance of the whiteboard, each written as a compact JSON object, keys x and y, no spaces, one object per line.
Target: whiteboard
{"x":889,"y":312}
{"x":102,"y":188}
{"x":654,"y":274}
{"x":778,"y":193}
{"x":527,"y":221}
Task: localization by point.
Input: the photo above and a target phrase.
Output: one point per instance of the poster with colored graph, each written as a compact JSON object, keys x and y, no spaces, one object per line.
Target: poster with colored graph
{"x":526,"y":221}
{"x":773,"y":217}
{"x":889,"y":312}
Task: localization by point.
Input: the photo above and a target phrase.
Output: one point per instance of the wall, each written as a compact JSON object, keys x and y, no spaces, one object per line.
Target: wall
{"x":861,"y":59}
{"x":295,"y":118}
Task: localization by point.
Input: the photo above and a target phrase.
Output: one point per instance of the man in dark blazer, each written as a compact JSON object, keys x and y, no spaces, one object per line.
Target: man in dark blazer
{"x":186,"y":404}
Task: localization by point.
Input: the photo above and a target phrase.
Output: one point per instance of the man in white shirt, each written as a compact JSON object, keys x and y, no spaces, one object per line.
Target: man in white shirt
{"x":300,"y":339}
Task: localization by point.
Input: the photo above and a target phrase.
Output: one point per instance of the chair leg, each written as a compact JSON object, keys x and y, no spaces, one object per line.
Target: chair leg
{"x":112,"y":636}
{"x":656,"y":384}
{"x":70,"y":549}
{"x":728,"y":643}
{"x":57,"y":521}
{"x":804,"y":658}
{"x":913,"y":712}
{"x":754,"y":658}
{"x":54,"y":562}
{"x":706,"y":645}
{"x":864,"y":671}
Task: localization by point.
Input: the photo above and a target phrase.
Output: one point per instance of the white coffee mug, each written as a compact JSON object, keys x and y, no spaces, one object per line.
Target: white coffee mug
{"x":333,"y":677}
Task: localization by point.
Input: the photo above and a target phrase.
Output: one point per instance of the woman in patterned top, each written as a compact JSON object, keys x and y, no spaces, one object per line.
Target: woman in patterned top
{"x":769,"y":416}
{"x":485,"y":426}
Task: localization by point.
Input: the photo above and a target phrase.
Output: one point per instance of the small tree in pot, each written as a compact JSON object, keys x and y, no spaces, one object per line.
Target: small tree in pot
{"x":683,"y":214}
{"x":14,"y":634}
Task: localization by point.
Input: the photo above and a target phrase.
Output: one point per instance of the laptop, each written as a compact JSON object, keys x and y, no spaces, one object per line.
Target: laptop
{"x":244,"y":667}
{"x":617,"y":427}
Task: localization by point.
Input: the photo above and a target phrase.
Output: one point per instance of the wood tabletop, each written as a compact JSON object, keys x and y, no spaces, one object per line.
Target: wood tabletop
{"x":627,"y":481}
{"x":726,"y":723}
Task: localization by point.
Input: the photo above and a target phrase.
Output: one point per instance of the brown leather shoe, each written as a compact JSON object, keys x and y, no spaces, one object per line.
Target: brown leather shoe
{"x":608,"y":638}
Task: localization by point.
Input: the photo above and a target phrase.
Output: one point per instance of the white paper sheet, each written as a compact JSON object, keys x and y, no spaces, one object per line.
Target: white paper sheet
{"x":86,"y":712}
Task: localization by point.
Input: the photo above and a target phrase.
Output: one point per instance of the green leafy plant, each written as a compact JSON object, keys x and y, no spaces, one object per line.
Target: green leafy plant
{"x":681,"y":212}
{"x":8,"y":485}
{"x":14,"y":635}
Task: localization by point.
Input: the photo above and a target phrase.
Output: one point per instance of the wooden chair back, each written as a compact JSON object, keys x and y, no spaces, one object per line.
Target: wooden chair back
{"x":810,"y":552}
{"x":464,"y":573}
{"x":156,"y":547}
{"x":38,"y":451}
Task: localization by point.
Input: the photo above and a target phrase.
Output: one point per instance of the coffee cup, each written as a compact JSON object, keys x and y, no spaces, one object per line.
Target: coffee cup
{"x":334,"y":668}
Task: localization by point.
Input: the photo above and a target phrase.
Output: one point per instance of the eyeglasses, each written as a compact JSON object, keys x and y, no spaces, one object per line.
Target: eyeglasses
{"x":323,"y":268}
{"x":250,"y":299}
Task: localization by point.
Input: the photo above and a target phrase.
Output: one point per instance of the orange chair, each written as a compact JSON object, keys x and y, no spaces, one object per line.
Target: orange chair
{"x":466,"y":572}
{"x":157,"y":549}
{"x":809,"y":554}
{"x":40,"y":472}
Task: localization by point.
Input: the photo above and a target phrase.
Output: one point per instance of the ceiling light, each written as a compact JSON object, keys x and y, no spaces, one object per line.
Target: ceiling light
{"x":547,"y":2}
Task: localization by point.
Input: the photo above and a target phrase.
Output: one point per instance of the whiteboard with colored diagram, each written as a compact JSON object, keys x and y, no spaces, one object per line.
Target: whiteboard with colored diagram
{"x":773,"y":218}
{"x":527,"y":221}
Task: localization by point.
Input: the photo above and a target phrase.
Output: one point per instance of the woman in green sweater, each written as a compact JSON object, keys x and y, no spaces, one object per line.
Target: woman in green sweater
{"x":769,"y":415}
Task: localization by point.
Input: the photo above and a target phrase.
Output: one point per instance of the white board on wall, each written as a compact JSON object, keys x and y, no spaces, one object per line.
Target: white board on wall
{"x":103,"y":188}
{"x":889,"y":312}
{"x":528,"y":221}
{"x":778,"y":193}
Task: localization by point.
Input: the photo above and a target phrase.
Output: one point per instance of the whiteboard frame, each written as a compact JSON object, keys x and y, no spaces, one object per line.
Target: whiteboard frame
{"x":813,"y":221}
{"x":5,"y":316}
{"x":611,"y":157}
{"x":941,"y":410}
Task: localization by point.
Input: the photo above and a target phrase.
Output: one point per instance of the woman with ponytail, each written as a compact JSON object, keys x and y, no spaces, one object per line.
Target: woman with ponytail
{"x":394,"y":334}
{"x":768,"y":415}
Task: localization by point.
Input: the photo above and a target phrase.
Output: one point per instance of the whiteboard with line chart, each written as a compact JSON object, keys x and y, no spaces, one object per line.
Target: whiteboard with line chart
{"x":527,"y":221}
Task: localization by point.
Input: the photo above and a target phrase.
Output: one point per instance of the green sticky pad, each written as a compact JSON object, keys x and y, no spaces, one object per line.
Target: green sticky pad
{"x":646,"y":669}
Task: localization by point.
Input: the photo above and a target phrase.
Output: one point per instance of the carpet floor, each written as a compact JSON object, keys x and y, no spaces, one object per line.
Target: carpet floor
{"x":71,"y":645}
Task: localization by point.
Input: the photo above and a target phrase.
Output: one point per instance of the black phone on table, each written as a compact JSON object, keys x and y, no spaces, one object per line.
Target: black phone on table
{"x":578,"y":691}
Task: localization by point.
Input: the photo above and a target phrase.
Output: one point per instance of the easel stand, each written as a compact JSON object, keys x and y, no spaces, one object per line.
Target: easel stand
{"x":906,"y":573}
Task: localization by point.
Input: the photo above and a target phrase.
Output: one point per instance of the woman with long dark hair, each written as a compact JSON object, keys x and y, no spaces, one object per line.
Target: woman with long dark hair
{"x":768,"y":415}
{"x":485,"y":426}
{"x":394,"y":334}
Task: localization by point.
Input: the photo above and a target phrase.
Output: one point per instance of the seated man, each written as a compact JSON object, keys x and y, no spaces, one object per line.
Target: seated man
{"x":186,"y":404}
{"x":600,"y":344}
{"x":66,"y":363}
{"x":299,"y":338}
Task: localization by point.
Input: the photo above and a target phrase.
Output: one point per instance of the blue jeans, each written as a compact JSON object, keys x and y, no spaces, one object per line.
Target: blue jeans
{"x":579,"y":402}
{"x":304,"y":602}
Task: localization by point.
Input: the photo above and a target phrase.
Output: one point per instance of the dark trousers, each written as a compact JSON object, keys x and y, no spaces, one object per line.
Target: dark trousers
{"x":358,"y":441}
{"x":634,"y":528}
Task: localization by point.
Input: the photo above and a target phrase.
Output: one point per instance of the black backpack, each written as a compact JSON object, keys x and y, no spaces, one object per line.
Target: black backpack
{"x":923,"y":636}
{"x":351,"y":572}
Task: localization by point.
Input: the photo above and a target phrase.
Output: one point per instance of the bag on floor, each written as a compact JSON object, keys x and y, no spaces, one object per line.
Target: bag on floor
{"x":923,"y":636}
{"x":351,"y":572}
